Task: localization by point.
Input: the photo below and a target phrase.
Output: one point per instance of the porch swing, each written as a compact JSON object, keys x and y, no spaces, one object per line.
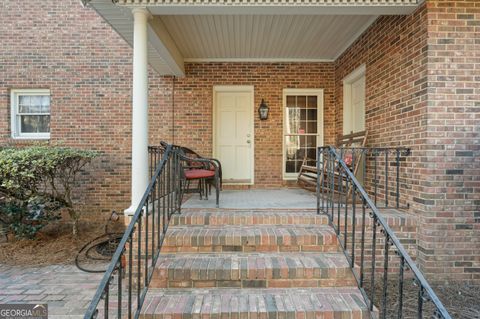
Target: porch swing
{"x":308,"y":175}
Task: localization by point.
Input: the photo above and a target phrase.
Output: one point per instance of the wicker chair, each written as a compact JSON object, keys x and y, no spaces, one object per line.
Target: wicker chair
{"x":206,"y":172}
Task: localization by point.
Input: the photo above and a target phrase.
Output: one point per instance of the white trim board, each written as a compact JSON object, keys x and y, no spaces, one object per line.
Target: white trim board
{"x":355,"y":75}
{"x":257,"y":60}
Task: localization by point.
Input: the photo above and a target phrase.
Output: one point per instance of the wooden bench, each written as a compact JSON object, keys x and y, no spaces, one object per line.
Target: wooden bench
{"x":308,"y":175}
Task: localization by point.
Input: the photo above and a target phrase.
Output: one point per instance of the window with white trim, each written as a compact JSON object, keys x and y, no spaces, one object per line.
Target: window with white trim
{"x":302,"y":129}
{"x":30,"y":112}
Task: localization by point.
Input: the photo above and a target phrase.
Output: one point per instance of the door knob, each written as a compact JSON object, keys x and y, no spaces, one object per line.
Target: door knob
{"x":248,"y":141}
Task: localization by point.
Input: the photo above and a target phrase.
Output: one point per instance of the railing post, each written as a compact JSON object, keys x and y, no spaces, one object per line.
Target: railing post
{"x":385,"y":276}
{"x":400,"y":288}
{"x":386,"y":178}
{"x":398,"y":178}
{"x":372,"y":280}
{"x":354,"y":223}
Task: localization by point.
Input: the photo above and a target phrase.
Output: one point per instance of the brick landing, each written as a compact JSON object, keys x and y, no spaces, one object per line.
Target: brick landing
{"x":252,"y":264}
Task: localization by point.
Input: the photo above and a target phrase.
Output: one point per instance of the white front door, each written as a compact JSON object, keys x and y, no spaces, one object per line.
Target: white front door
{"x":354,"y":102}
{"x":233,"y":133}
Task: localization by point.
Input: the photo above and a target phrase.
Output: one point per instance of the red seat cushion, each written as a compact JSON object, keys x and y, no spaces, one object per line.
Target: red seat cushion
{"x":198,"y":173}
{"x":348,"y":159}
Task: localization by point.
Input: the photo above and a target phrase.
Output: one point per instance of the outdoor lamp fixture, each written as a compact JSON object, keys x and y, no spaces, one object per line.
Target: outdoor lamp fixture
{"x":263,"y":110}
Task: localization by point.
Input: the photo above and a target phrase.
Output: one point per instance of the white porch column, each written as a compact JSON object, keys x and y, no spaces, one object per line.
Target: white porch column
{"x":139,"y":108}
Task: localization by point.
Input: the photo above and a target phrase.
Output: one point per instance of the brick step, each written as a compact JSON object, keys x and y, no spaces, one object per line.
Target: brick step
{"x":293,"y":303}
{"x":253,"y":270}
{"x":260,"y":238}
{"x":248,"y":217}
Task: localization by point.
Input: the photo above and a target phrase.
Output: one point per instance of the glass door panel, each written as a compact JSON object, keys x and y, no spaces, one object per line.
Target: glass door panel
{"x":301,"y":132}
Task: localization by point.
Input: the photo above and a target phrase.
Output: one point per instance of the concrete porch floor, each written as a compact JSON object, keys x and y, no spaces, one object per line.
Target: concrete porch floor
{"x":256,"y":199}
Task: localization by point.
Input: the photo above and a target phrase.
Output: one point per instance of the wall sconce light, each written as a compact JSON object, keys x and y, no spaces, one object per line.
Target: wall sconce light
{"x":263,"y":111}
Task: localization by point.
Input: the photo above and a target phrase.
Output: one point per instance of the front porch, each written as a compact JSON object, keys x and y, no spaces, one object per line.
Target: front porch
{"x":220,"y":65}
{"x":323,"y":69}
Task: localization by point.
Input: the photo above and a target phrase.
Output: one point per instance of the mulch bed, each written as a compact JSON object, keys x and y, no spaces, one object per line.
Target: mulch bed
{"x":461,"y":300}
{"x":55,"y":244}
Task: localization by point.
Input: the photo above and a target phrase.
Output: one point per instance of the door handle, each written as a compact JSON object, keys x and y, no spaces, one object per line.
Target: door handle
{"x":248,"y":141}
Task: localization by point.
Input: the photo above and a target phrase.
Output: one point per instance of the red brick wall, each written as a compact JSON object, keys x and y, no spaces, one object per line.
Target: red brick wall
{"x":193,"y":106}
{"x":449,"y":235}
{"x":393,"y":50}
{"x":87,"y":67}
{"x":422,"y":91}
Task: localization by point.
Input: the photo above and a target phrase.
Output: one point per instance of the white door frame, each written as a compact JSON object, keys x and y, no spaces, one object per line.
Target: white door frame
{"x":244,"y":89}
{"x":347,"y":93}
{"x":320,"y":134}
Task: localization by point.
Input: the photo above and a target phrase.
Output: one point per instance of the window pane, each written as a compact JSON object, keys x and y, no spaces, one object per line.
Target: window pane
{"x":292,"y":120}
{"x":302,"y":128}
{"x":312,"y":127}
{"x":24,"y":100}
{"x":34,"y":104}
{"x":298,"y":166}
{"x":303,"y":114}
{"x":312,"y":115}
{"x":311,"y":141}
{"x":290,"y":167}
{"x":291,"y":101}
{"x":36,"y":100}
{"x":35,"y":123}
{"x":45,"y":104}
{"x":312,"y":102}
{"x":302,"y":101}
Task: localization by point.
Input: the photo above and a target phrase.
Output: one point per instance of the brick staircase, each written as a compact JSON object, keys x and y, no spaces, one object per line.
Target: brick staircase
{"x":242,"y":264}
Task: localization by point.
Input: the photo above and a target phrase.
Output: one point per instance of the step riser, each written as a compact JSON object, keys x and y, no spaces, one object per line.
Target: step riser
{"x":262,"y":239}
{"x":273,"y":283}
{"x":245,"y":249}
{"x":257,"y":219}
{"x":261,"y":278}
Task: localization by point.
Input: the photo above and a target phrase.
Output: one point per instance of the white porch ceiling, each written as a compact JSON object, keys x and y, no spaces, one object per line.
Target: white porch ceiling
{"x":264,"y":37}
{"x":247,"y":30}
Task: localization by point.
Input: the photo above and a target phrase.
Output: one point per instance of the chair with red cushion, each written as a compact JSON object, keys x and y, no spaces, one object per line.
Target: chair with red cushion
{"x":201,"y":170}
{"x":206,"y":172}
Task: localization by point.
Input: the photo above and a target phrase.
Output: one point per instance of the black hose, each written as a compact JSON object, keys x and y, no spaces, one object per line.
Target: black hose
{"x":109,"y":237}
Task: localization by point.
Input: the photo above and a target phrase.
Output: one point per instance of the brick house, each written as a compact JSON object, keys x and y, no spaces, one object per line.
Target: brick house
{"x":414,"y":64}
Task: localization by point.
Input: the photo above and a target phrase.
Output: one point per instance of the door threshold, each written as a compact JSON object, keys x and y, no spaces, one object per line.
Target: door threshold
{"x":238,"y":182}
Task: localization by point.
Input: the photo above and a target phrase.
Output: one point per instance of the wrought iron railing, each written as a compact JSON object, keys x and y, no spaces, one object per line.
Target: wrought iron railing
{"x":368,"y":241}
{"x":155,"y":155}
{"x":122,"y":291}
{"x":381,"y":170}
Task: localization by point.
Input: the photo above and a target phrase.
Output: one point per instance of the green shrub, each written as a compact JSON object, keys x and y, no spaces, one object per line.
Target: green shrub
{"x":26,"y":219}
{"x":36,"y":182}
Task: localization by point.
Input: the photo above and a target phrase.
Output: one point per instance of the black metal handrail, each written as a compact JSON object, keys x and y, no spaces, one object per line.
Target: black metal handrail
{"x":133,"y":266}
{"x":337,"y":190}
{"x":381,"y":169}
